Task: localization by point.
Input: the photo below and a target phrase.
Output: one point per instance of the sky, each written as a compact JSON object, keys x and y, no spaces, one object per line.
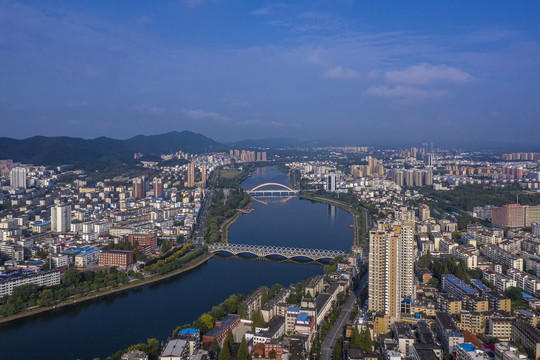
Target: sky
{"x":357,"y":72}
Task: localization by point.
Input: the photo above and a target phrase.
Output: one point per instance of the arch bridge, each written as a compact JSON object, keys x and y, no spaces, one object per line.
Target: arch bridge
{"x":265,"y":251}
{"x":283,"y":191}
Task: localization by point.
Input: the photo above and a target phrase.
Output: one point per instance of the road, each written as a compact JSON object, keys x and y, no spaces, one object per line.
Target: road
{"x":198,"y":239}
{"x":337,"y":329}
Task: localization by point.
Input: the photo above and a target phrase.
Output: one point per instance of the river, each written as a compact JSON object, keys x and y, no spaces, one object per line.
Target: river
{"x":100,"y":327}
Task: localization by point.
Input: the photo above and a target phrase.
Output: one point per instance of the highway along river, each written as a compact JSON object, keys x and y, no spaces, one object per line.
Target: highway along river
{"x":103,"y":326}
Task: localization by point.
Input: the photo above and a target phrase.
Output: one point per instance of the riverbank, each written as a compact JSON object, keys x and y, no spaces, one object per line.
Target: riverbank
{"x":359,"y":238}
{"x":97,"y":294}
{"x":229,"y":222}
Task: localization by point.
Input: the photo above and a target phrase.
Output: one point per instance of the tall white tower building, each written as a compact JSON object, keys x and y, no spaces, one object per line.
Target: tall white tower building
{"x":61,"y":219}
{"x":17,"y":178}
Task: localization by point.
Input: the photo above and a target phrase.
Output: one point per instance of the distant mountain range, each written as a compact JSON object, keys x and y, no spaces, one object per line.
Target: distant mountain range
{"x":102,"y":151}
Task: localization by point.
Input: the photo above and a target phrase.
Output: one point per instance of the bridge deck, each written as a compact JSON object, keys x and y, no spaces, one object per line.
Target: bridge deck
{"x":263,"y":251}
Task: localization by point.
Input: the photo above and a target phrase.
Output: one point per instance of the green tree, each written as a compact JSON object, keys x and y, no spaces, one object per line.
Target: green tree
{"x":215,"y":347}
{"x":257,"y":320}
{"x":367,"y":341}
{"x":337,"y":354}
{"x":71,"y":278}
{"x":225,"y":353}
{"x":243,"y":350}
{"x":513,"y":293}
{"x":46,"y":298}
{"x":264,"y":296}
{"x":229,"y":339}
{"x":272,"y":354}
{"x":356,"y":339}
{"x":208,"y":320}
{"x":425,"y":260}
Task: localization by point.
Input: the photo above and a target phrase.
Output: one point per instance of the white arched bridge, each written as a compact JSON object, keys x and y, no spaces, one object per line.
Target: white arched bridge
{"x":263,"y":190}
{"x":264,"y":251}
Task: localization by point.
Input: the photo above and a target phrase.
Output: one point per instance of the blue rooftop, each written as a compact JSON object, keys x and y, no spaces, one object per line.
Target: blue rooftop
{"x":528,"y":297}
{"x":478,"y":283}
{"x":303,"y":316}
{"x":460,"y":284}
{"x":293,"y":309}
{"x":189,"y":331}
{"x":467,"y":347}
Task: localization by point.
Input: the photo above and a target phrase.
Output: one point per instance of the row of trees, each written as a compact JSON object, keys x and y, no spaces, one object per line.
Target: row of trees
{"x":73,"y":283}
{"x":362,"y":340}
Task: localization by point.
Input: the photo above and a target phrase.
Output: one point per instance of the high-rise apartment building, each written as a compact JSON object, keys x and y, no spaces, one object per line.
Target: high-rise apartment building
{"x":191,"y":175}
{"x":157,"y":187}
{"x":61,"y":219}
{"x":140,"y":185}
{"x":331,"y":182}
{"x":203,"y":174}
{"x":17,"y":177}
{"x":391,"y":259}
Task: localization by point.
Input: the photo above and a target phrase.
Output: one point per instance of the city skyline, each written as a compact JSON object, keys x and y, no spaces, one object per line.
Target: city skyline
{"x":348,"y":71}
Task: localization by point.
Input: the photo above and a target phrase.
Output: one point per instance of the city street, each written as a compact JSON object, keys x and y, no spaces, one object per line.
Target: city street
{"x":337,"y":329}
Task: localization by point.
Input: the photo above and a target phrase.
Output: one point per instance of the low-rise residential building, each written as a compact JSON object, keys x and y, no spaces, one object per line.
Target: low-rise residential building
{"x":500,"y":327}
{"x":117,"y":258}
{"x":505,"y":351}
{"x":315,"y":286}
{"x":448,"y":331}
{"x":500,"y":256}
{"x":176,"y":349}
{"x":43,"y":278}
{"x":220,"y":329}
{"x":467,"y":351}
{"x":404,"y":337}
{"x":528,"y":335}
{"x":134,"y":355}
{"x":456,"y":287}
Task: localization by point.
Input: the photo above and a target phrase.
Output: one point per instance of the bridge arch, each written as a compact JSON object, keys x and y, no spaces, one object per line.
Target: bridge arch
{"x":270,"y":184}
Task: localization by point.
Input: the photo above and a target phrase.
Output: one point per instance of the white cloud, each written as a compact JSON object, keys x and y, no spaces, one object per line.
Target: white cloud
{"x":339,"y":72}
{"x":404,"y":92}
{"x":195,"y":3}
{"x":152,"y":110}
{"x":77,"y":104}
{"x":241,"y":104}
{"x":268,"y":10}
{"x":425,"y":74}
{"x":205,"y":115}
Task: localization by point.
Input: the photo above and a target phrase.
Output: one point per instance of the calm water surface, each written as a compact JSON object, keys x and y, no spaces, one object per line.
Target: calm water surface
{"x":101,"y":327}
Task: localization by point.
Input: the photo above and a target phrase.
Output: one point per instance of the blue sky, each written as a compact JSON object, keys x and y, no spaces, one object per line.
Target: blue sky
{"x":354,"y":71}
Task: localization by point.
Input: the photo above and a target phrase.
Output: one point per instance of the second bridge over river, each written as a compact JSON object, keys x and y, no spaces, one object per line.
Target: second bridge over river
{"x":287,"y":252}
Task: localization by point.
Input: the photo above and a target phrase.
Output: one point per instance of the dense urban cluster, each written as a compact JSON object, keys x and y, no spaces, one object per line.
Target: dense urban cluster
{"x":444,"y":263}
